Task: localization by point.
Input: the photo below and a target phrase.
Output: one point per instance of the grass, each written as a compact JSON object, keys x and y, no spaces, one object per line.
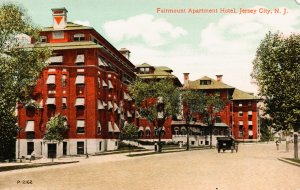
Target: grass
{"x":35,"y":165}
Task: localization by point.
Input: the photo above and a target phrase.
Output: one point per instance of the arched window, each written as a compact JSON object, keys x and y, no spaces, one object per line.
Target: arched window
{"x":183,"y":131}
{"x":148,"y":131}
{"x":176,"y":131}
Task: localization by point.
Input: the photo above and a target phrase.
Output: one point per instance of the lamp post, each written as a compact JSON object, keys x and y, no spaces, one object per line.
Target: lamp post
{"x":19,"y":131}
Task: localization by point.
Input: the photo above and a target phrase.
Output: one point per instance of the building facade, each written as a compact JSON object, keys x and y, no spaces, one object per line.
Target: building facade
{"x":86,"y":81}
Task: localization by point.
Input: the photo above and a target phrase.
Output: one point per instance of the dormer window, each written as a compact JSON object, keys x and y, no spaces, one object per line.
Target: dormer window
{"x":145,"y":70}
{"x":79,"y":37}
{"x":43,"y":39}
{"x":205,"y":82}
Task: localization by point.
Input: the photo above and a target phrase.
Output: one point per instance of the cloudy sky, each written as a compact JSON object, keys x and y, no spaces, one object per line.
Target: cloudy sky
{"x":201,"y":43}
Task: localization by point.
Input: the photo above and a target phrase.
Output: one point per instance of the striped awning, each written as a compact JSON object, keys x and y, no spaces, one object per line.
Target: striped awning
{"x":29,"y":126}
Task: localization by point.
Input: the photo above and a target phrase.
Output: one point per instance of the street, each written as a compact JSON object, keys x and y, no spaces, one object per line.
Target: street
{"x":255,"y":166}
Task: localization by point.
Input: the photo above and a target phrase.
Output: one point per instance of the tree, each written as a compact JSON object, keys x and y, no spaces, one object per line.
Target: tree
{"x":157,"y":100}
{"x":265,"y":129}
{"x":129,"y":132}
{"x":56,"y":128}
{"x":213,"y":105}
{"x":193,"y":102}
{"x":276,"y":69}
{"x":19,"y":70}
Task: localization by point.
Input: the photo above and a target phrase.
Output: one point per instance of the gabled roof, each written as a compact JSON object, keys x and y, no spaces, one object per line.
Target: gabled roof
{"x":70,"y":26}
{"x":164,"y":68}
{"x":214,"y":84}
{"x":144,"y":65}
{"x":241,"y":95}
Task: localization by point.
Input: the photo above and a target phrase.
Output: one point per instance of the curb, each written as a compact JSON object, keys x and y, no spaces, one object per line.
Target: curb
{"x":289,"y":162}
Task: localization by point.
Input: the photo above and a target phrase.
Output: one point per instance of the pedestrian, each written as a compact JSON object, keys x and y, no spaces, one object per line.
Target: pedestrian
{"x":277,"y":145}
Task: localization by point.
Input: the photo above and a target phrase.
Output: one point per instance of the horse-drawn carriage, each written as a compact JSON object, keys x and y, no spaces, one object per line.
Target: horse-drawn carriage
{"x":226,"y":143}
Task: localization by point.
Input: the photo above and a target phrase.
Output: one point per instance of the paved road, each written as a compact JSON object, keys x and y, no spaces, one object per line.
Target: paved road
{"x":255,"y":166}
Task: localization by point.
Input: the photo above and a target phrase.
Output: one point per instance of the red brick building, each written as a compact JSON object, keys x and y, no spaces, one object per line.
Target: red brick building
{"x":239,"y":117}
{"x":86,"y":80}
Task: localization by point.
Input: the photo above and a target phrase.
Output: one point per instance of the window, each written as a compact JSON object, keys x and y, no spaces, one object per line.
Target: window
{"x":240,"y":105}
{"x":250,"y":127}
{"x":99,"y":82}
{"x":249,"y":103}
{"x":64,"y":80}
{"x":43,"y":39}
{"x":205,"y":82}
{"x":51,"y":80}
{"x":148,"y":132}
{"x":241,"y":131}
{"x":218,"y":119}
{"x":30,"y":148}
{"x":79,"y":59}
{"x":58,"y":34}
{"x":249,"y":117}
{"x":176,"y":131}
{"x":100,"y":145}
{"x":240,"y":113}
{"x":79,"y":37}
{"x":79,"y":79}
{"x":80,"y":147}
{"x":116,"y":143}
{"x":80,"y":126}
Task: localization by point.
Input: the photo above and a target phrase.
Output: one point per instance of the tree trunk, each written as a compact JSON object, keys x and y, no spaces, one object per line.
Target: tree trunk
{"x":296,"y":146}
{"x":210,"y":137}
{"x":287,"y":143}
{"x":188,"y":137}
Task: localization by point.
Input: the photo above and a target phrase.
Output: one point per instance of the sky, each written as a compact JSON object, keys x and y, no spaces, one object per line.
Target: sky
{"x":202,"y":44}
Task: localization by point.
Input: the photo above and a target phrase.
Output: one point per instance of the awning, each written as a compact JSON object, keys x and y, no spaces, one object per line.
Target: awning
{"x":125,"y":96}
{"x":129,"y":98}
{"x":104,"y":83}
{"x":115,"y":106}
{"x":249,"y":122}
{"x":240,"y":122}
{"x":249,"y":112}
{"x":50,"y":101}
{"x":137,"y":114}
{"x":110,"y":86}
{"x":100,"y":105}
{"x":110,"y":106}
{"x":116,"y":128}
{"x":250,"y":133}
{"x":101,"y":62}
{"x":99,"y":125}
{"x":80,"y":123}
{"x":29,"y":126}
{"x":51,"y":79}
{"x":110,"y":128}
{"x":79,"y":79}
{"x":147,"y":128}
{"x":79,"y":102}
{"x":141,"y":128}
{"x":104,"y":104}
{"x":64,"y":100}
{"x":129,"y":114}
{"x":80,"y":58}
{"x":220,"y":125}
{"x":55,"y":59}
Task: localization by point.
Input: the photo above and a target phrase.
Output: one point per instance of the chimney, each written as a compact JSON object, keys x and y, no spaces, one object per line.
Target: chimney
{"x":219,"y":78}
{"x":125,"y":52}
{"x":186,"y":80}
{"x":59,"y":18}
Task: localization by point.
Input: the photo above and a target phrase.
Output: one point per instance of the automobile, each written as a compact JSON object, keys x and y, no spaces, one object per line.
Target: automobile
{"x":226,"y":143}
